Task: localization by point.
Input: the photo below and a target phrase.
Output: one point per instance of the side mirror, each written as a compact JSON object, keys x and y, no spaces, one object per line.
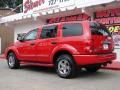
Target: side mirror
{"x":20,"y":37}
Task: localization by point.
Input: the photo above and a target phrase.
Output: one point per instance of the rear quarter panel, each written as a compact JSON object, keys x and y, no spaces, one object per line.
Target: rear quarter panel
{"x":78,"y":42}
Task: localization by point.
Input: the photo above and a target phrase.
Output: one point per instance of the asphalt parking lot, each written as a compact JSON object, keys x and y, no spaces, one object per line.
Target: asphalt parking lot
{"x":39,"y":78}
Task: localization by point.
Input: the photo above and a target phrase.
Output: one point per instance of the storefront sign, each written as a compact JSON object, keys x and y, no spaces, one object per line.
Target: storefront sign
{"x":30,"y":6}
{"x":110,"y":18}
{"x":79,"y":17}
{"x":115,"y":31}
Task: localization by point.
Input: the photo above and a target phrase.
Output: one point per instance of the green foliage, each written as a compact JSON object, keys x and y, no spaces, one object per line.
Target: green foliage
{"x":11,"y":4}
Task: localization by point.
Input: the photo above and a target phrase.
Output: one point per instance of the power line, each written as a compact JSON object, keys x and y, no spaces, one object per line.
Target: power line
{"x":13,"y":9}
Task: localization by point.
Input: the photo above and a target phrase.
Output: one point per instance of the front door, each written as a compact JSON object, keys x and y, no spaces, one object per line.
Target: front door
{"x":27,"y":48}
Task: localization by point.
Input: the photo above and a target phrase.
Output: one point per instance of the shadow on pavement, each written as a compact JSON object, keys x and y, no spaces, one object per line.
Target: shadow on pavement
{"x":101,"y":74}
{"x":38,"y":68}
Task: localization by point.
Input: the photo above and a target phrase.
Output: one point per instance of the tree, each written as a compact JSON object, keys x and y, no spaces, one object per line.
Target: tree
{"x":12,"y":4}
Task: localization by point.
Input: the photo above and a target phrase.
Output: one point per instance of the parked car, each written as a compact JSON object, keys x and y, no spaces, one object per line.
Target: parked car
{"x":65,"y":46}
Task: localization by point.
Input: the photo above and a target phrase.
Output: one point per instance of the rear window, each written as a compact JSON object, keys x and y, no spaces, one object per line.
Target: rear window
{"x":49,"y":32}
{"x":99,"y":29}
{"x":72,"y":30}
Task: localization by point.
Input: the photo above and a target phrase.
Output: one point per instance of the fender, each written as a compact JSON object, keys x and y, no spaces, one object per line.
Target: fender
{"x":14,"y":49}
{"x":65,"y":47}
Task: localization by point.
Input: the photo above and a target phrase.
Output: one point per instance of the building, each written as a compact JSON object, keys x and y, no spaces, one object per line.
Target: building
{"x":39,"y":12}
{"x":6,"y":33}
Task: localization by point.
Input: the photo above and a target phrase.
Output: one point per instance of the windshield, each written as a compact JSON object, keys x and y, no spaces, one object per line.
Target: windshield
{"x":99,"y":29}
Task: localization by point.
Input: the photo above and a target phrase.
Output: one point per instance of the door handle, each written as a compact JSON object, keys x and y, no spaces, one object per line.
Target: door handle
{"x":53,"y":42}
{"x":32,"y":44}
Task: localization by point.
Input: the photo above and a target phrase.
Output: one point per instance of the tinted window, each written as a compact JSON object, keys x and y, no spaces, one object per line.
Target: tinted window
{"x":99,"y":29}
{"x":31,"y":35}
{"x":72,"y":30}
{"x":49,"y":32}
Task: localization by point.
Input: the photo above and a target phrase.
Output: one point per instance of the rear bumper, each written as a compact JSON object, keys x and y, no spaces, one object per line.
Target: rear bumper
{"x":93,"y":59}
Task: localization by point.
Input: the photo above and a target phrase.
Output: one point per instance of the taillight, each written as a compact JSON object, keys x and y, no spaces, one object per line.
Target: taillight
{"x":110,"y":39}
{"x":89,"y":47}
{"x":112,"y":43}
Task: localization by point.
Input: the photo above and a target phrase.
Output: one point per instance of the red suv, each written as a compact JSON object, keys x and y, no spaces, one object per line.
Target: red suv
{"x":65,"y":46}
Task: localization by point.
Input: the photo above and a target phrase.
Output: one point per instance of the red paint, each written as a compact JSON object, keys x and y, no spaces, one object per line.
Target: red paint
{"x":114,"y":66}
{"x":79,"y":17}
{"x":108,"y":13}
{"x":85,"y":49}
{"x":29,"y":4}
{"x":108,"y":17}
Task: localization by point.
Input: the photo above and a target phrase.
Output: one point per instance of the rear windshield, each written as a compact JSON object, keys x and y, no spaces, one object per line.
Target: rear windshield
{"x":99,"y":29}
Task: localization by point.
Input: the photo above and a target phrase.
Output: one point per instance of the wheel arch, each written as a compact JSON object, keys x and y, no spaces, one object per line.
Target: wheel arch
{"x":61,"y":52}
{"x":9,"y":51}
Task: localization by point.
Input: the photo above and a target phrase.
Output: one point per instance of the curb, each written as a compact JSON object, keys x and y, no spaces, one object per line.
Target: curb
{"x":2,"y":56}
{"x":114,"y":66}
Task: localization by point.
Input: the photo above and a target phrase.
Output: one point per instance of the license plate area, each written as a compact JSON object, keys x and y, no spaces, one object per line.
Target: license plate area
{"x":105,"y":46}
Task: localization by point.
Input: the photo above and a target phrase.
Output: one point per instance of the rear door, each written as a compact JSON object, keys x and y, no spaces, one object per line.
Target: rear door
{"x":102,"y":40}
{"x":47,"y":42}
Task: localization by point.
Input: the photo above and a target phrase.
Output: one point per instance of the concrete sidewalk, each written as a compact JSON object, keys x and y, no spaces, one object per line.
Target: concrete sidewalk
{"x":114,"y":66}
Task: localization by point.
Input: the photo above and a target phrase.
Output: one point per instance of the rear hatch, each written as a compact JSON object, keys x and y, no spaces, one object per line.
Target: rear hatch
{"x":101,"y":38}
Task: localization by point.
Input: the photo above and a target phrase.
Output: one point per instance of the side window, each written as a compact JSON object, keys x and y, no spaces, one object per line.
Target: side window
{"x":72,"y":30}
{"x":49,"y":32}
{"x":31,"y":35}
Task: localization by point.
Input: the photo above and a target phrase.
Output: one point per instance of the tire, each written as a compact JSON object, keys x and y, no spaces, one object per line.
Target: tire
{"x":65,"y":66}
{"x":93,"y":68}
{"x":12,"y":61}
